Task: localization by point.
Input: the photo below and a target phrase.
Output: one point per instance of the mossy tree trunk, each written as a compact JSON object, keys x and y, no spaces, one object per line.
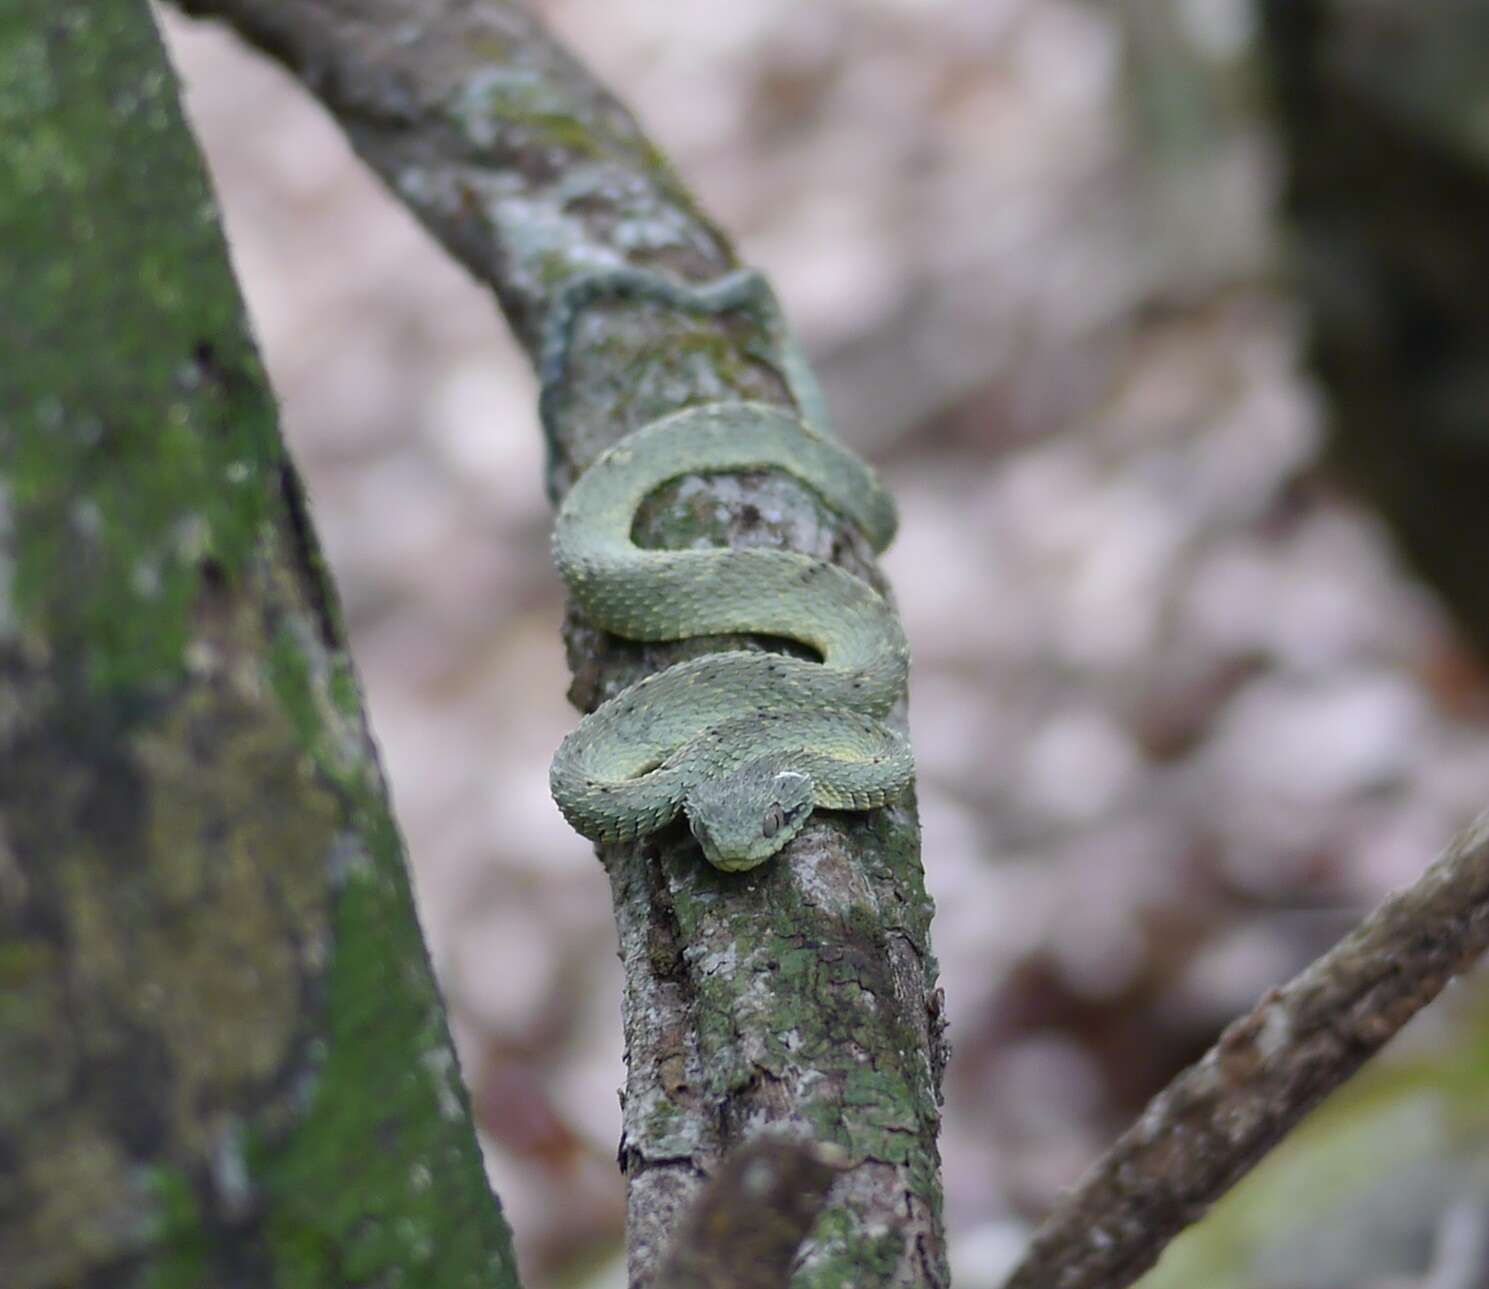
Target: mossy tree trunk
{"x":224,"y":1057}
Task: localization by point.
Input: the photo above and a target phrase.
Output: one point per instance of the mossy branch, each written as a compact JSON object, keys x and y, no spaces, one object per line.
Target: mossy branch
{"x":802,"y":994}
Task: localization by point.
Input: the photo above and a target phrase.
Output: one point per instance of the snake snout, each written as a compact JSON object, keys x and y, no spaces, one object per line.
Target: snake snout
{"x":744,"y":817}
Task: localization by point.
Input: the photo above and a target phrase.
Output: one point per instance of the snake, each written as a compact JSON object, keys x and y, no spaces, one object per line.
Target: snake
{"x":746,"y":744}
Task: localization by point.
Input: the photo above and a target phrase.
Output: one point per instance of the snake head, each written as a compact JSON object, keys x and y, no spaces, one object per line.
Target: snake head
{"x":743,"y":817}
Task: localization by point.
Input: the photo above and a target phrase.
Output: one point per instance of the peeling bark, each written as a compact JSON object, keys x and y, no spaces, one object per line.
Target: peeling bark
{"x":800,"y":995}
{"x":225,"y":1060}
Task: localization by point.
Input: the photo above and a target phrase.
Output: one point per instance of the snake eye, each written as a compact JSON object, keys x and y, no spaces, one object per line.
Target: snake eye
{"x":695,"y":828}
{"x":773,"y":822}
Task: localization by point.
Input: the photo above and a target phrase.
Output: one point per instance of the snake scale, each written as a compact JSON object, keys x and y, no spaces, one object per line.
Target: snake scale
{"x":744,"y":743}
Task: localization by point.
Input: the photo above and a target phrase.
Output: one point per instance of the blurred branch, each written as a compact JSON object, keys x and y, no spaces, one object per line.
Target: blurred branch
{"x":802,"y":993}
{"x":745,"y":1228}
{"x":1213,"y":1123}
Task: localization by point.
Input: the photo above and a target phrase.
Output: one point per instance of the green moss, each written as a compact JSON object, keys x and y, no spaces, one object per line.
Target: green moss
{"x":555,"y":267}
{"x":505,"y":94}
{"x":22,"y":961}
{"x":559,"y":130}
{"x":847,"y":1254}
{"x":289,"y":675}
{"x":346,"y":696}
{"x":180,"y":1236}
{"x":317,"y":692}
{"x":489,"y":47}
{"x":388,"y":1096}
{"x":420,"y":1207}
{"x":128,"y":403}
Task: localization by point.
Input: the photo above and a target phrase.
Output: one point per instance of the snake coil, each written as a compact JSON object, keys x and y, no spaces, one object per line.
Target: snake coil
{"x":744,"y":743}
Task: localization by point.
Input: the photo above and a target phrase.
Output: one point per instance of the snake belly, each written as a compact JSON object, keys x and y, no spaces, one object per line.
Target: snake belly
{"x":729,"y":736}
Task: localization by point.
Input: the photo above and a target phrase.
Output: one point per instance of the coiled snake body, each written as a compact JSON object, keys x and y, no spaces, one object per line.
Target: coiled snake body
{"x":744,"y":743}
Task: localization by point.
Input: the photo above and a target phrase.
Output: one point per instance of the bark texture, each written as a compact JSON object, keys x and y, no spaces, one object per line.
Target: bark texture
{"x":1213,"y":1123}
{"x":1382,"y":110}
{"x":801,"y":995}
{"x":225,"y":1060}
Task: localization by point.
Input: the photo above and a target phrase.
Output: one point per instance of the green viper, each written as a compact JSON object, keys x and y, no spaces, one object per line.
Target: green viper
{"x":746,"y":744}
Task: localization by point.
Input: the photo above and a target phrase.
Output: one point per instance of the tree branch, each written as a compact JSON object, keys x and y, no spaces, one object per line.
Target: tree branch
{"x":801,"y":994}
{"x":1209,"y":1127}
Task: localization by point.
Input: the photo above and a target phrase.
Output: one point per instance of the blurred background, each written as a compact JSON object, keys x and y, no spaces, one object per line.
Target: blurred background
{"x":1180,"y":713}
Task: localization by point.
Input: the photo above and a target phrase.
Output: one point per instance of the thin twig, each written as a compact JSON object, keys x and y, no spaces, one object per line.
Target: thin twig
{"x":1213,"y":1123}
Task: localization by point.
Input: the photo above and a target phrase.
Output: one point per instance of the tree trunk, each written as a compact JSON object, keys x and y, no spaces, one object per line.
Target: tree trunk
{"x":225,"y":1060}
{"x":1382,"y":109}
